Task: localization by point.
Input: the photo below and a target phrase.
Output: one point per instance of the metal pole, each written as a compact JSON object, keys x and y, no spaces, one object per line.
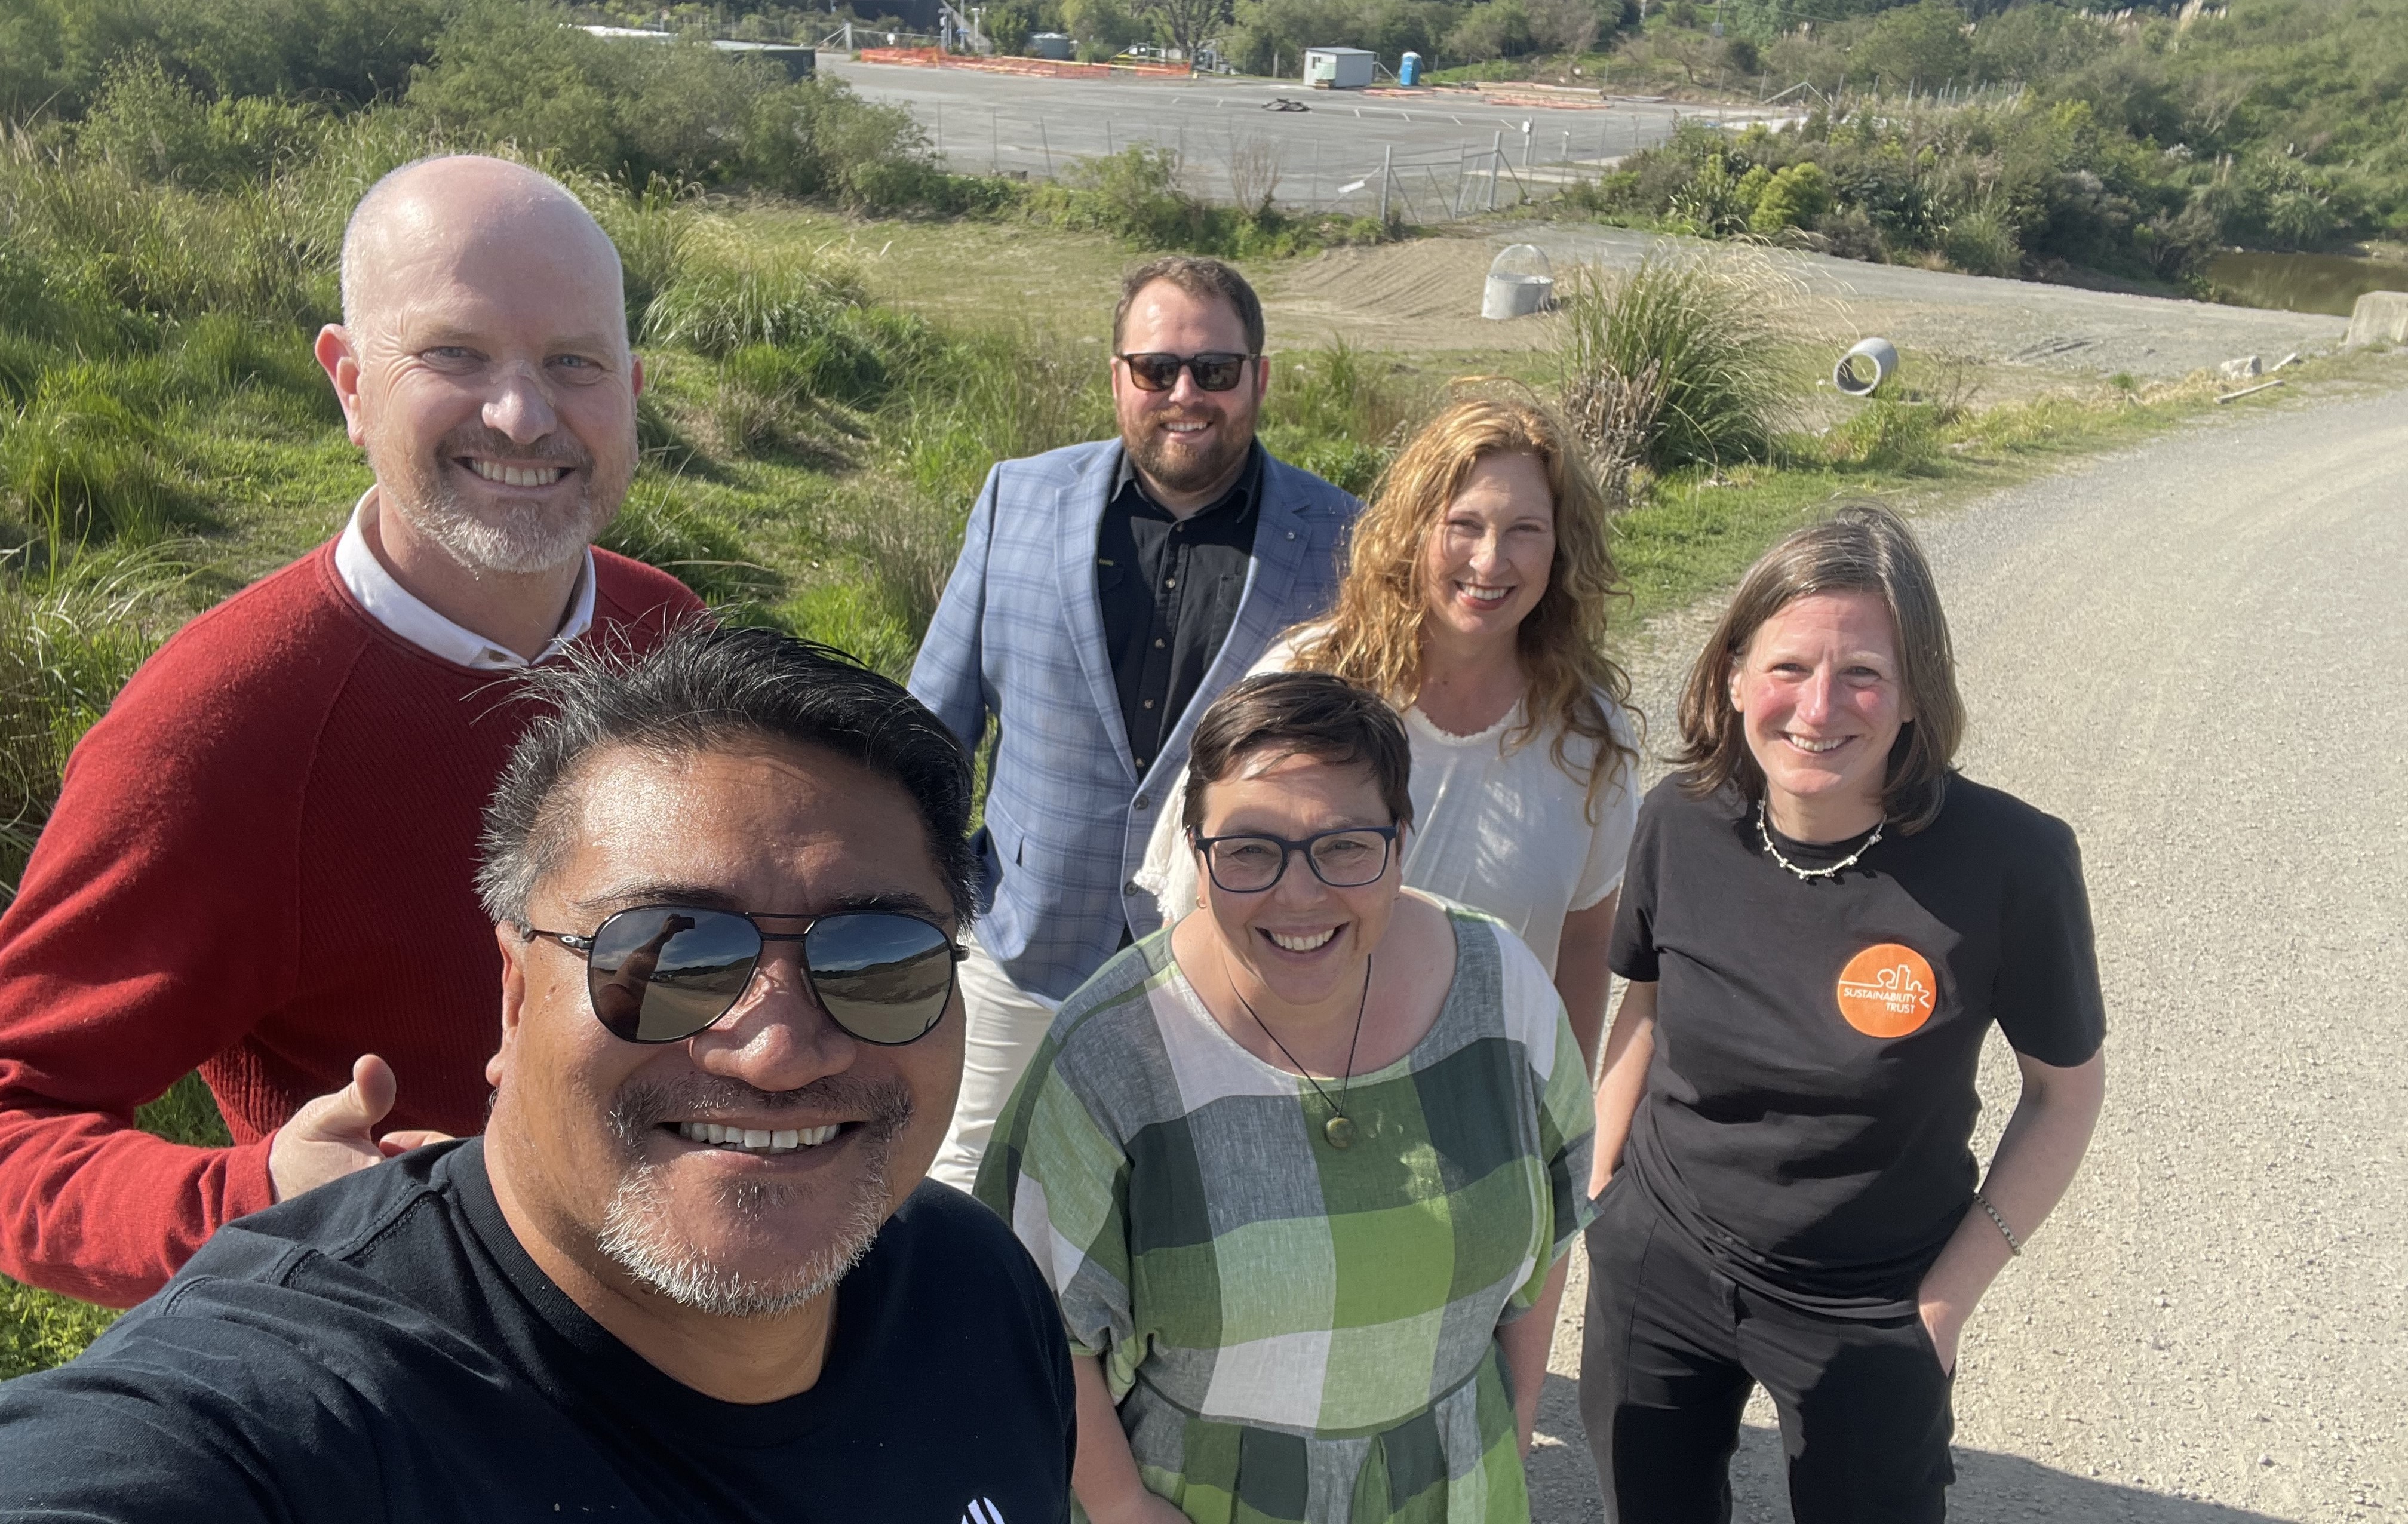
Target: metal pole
{"x":1108,"y":137}
{"x":1527,"y":137}
{"x":1496,"y":165}
{"x":1387,"y":157}
{"x":940,"y":123}
{"x":1048,"y":144}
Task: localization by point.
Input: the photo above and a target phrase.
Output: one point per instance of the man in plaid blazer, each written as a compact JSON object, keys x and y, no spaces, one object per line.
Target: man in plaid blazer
{"x":1104,"y":595}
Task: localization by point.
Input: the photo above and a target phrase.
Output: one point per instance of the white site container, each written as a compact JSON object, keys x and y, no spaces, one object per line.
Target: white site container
{"x":1337,"y":69}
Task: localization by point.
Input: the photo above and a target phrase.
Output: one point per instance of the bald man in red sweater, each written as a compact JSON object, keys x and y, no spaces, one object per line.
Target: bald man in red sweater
{"x":262,"y":861}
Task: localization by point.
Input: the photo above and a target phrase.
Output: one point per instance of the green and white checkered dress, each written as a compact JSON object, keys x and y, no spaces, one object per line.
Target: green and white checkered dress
{"x":1294,"y":1331}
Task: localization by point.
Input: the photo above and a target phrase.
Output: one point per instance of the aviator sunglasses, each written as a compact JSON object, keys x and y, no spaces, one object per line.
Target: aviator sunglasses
{"x":1216,"y":370}
{"x":660,"y":974}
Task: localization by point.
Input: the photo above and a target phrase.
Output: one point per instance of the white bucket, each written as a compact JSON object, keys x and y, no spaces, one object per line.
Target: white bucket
{"x":1516,"y":296}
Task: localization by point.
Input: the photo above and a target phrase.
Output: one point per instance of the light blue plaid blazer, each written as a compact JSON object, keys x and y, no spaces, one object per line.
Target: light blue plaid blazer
{"x":1019,"y":639}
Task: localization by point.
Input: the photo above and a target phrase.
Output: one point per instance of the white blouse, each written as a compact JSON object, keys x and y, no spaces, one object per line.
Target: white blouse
{"x":1503,"y":830}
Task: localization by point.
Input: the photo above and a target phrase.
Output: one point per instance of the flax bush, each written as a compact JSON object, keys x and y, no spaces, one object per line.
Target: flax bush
{"x":1707,"y":324}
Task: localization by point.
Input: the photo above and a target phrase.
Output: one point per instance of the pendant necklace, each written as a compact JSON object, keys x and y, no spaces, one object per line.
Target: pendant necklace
{"x":1339,"y":1128}
{"x":1810,"y":874}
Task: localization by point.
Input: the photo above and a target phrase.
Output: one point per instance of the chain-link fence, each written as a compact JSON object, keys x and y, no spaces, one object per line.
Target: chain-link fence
{"x":1287,"y":165}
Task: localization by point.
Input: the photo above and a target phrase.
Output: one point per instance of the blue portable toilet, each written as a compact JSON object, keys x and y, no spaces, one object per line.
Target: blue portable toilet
{"x":1409,"y":71}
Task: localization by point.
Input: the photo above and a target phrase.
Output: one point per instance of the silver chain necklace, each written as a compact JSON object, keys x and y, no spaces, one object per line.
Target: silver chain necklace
{"x":1808,"y":875}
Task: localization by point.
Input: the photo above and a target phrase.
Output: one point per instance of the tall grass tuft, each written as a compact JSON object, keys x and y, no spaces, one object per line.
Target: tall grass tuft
{"x":996,"y":396}
{"x":718,"y":308}
{"x":1707,"y":324}
{"x":70,"y":636}
{"x":660,"y":525}
{"x":1339,"y":414}
{"x":87,"y":461}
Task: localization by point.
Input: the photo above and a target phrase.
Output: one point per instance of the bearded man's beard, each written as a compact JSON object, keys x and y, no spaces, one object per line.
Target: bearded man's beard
{"x":1186,"y":470}
{"x":639,"y":1234}
{"x":515,"y":537}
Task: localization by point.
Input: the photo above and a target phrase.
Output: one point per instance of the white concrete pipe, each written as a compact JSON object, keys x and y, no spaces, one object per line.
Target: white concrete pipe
{"x":1878,"y":356}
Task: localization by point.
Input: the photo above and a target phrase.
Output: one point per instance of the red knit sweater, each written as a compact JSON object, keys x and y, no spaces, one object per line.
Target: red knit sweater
{"x":261,"y":865}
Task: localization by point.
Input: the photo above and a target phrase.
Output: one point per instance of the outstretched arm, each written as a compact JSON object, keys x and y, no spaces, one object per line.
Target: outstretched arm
{"x":2038,"y":1156}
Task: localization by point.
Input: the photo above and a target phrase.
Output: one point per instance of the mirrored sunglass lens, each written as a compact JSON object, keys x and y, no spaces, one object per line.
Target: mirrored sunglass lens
{"x":884,"y":978}
{"x":1218,"y":372}
{"x":1153,"y":372}
{"x":1350,"y":860}
{"x":663,"y":973}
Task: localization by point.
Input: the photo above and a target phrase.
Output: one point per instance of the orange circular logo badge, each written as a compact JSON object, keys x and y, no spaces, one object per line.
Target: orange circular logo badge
{"x":1887,"y":990}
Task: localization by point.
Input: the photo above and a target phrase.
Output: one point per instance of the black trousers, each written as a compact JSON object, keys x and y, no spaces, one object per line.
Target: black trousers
{"x":1670,"y":1350}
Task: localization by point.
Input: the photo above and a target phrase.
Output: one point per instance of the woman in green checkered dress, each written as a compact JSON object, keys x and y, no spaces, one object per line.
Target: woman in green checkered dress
{"x":1303,"y":1168}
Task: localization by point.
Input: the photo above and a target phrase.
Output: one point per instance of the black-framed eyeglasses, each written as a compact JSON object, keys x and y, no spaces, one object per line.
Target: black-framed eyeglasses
{"x":660,"y":974}
{"x":1216,"y":370}
{"x":1250,"y":862}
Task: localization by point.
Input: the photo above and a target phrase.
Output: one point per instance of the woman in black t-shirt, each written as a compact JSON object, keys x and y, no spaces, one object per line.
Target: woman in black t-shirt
{"x":1820,"y":922}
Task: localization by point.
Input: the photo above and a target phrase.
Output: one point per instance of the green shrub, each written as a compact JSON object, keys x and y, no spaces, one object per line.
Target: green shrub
{"x":1135,"y":195}
{"x":1793,"y":197}
{"x":1345,"y":463}
{"x":1712,"y":204}
{"x":1981,"y":242}
{"x":515,"y":73}
{"x":1337,"y":413}
{"x":718,"y":309}
{"x":161,"y":129}
{"x":1708,"y":324}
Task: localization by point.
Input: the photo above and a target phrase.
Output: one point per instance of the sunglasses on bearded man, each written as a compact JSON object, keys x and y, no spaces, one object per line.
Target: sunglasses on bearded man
{"x":660,"y":974}
{"x":1216,"y":370}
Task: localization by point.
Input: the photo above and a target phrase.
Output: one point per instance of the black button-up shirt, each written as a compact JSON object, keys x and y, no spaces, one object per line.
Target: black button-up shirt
{"x":1170,"y":589}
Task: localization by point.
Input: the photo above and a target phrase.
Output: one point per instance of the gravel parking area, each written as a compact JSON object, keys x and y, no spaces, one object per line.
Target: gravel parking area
{"x":1037,"y":127}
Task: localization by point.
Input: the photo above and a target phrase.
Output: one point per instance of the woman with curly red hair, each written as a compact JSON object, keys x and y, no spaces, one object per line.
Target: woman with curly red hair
{"x":1475,"y":598}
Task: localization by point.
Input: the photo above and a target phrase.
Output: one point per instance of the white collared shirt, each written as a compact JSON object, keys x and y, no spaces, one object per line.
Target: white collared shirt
{"x":398,"y":610}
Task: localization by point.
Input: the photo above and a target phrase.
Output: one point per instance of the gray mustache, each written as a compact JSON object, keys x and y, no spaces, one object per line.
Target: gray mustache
{"x":475,"y":440}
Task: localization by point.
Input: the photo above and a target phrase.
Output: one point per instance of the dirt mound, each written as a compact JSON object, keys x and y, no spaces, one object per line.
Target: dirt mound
{"x":1418,"y":296}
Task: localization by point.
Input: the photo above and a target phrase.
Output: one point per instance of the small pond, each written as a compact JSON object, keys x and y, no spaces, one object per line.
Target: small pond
{"x":2304,"y":282}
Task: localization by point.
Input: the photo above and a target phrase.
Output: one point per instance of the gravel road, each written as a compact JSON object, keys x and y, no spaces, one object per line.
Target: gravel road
{"x":2197,"y":653}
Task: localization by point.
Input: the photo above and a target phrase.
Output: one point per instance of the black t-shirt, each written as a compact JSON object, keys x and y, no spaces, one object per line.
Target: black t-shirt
{"x":1808,"y":1113}
{"x":381,"y":1348}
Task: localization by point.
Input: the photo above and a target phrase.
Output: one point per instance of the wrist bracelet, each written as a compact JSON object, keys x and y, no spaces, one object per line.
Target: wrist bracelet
{"x":2013,"y":1247}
